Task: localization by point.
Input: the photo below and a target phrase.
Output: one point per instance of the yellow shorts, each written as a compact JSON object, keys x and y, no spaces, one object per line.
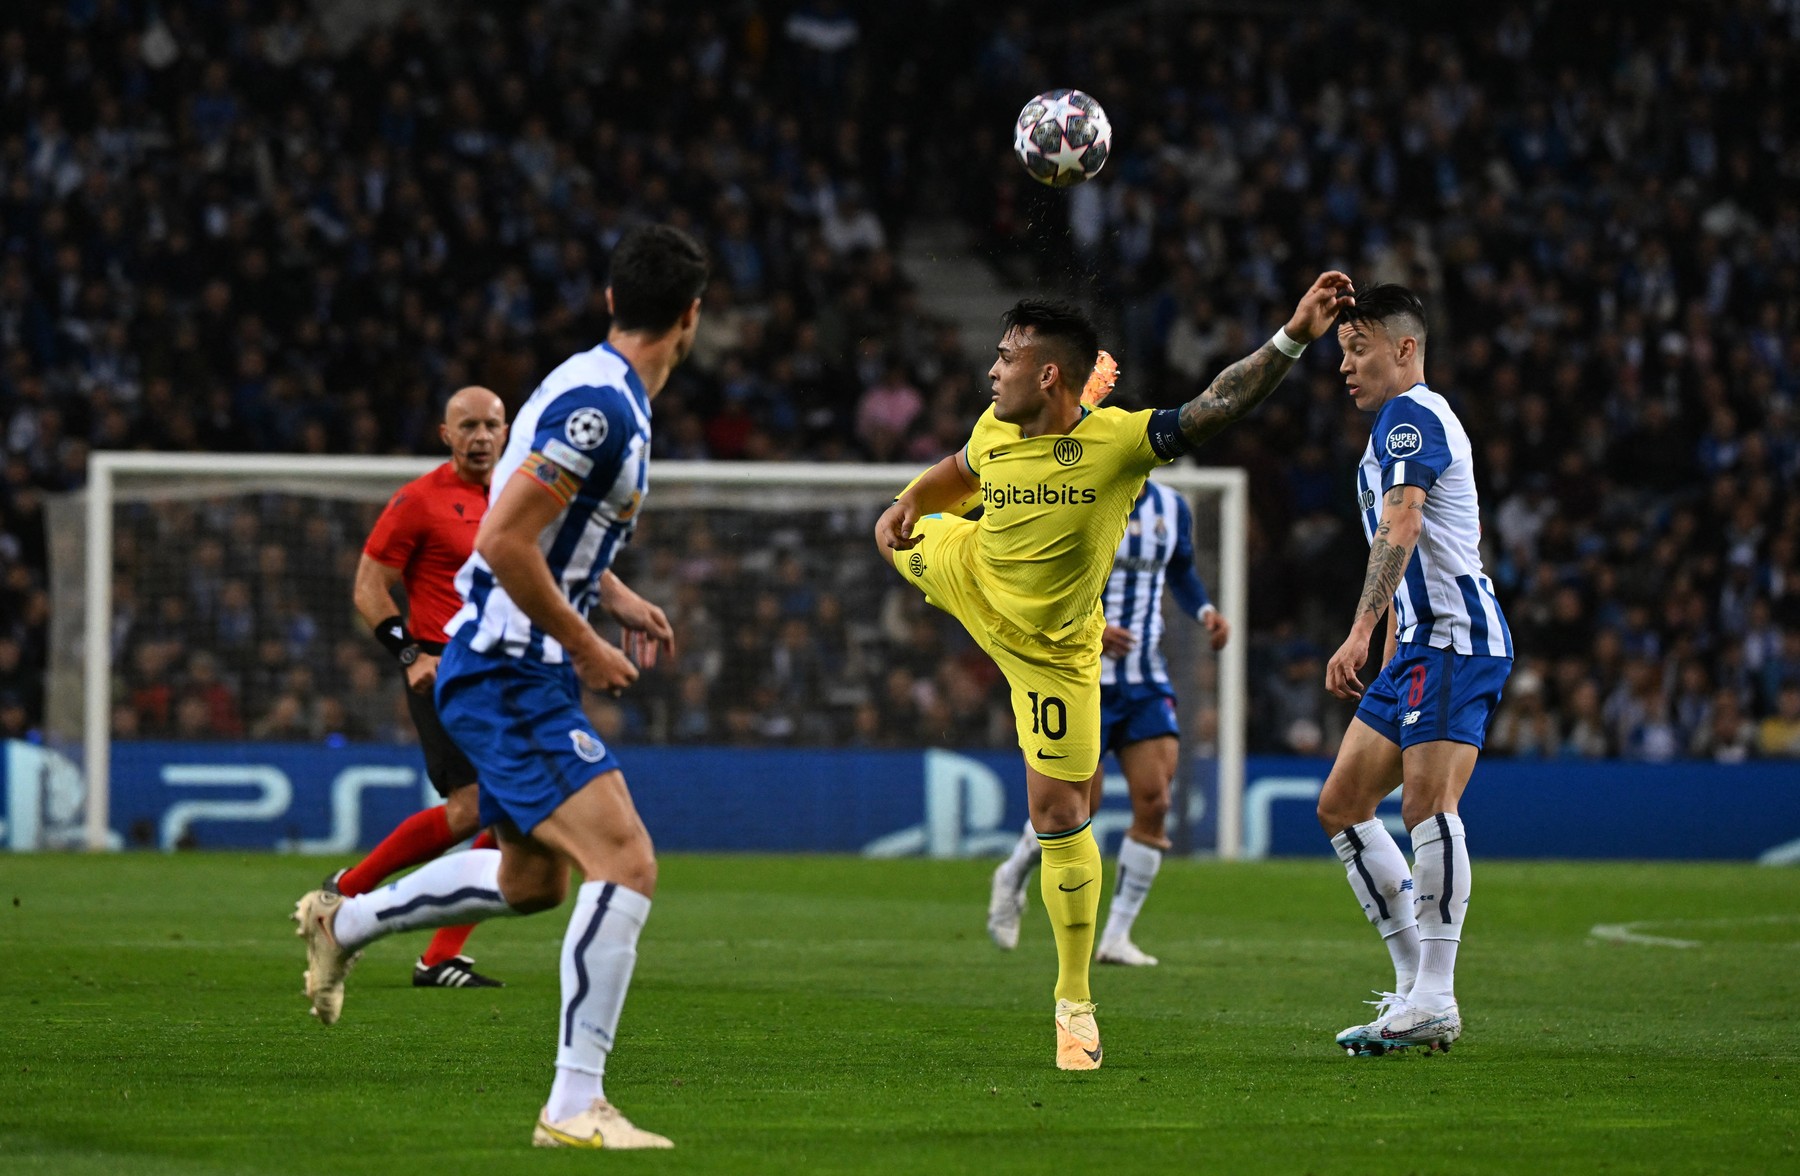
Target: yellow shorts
{"x":1055,"y":684}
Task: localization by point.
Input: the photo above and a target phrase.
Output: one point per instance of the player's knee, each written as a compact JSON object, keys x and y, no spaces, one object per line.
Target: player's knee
{"x":639,"y":874}
{"x":1336,"y":814}
{"x":1416,"y":811}
{"x":1151,"y":807}
{"x":462,"y":809}
{"x":530,"y":893}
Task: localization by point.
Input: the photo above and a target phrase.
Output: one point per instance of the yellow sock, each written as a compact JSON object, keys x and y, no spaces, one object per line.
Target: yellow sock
{"x":1070,"y":884}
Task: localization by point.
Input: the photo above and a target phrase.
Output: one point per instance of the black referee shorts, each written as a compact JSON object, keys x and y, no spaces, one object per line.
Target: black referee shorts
{"x":446,"y":765}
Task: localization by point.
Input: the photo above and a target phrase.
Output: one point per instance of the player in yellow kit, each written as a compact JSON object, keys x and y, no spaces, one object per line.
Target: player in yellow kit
{"x":1057,"y":480}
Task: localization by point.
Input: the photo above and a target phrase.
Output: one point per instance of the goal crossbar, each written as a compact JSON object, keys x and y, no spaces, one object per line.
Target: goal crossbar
{"x":107,"y":468}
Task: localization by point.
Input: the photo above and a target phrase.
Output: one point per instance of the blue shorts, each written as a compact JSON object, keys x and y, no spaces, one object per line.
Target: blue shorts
{"x":1131,"y":712}
{"x":520,"y":723}
{"x":1427,"y":694}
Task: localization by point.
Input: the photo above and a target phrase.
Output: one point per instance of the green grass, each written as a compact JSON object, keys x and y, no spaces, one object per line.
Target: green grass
{"x":836,"y":1015}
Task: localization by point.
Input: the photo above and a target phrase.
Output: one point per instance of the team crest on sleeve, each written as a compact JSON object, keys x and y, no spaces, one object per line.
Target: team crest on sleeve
{"x":586,"y":428}
{"x":1404,"y":441}
{"x":591,"y":750}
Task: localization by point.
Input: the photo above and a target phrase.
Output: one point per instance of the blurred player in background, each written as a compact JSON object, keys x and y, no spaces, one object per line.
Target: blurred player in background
{"x":569,"y":488}
{"x":422,"y":539}
{"x":1425,"y":716}
{"x":1057,"y":481}
{"x":1138,"y":720}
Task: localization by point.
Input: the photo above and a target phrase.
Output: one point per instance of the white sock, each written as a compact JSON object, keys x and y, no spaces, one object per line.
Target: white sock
{"x":1441,"y":894}
{"x":1381,"y":882}
{"x":1138,"y":864}
{"x":1024,"y":857}
{"x":458,"y":888}
{"x":599,"y":950}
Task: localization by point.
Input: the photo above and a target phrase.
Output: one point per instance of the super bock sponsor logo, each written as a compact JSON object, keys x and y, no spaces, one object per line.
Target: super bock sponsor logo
{"x":1404,"y":441}
{"x":587,"y":747}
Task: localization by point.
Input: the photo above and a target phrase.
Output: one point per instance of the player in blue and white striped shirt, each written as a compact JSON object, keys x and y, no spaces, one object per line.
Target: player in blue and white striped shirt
{"x":565,"y":498}
{"x":1137,"y":715}
{"x":1425,"y":716}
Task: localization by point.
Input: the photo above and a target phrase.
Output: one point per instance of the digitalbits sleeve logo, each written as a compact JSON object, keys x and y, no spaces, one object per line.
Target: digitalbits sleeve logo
{"x":1404,"y":441}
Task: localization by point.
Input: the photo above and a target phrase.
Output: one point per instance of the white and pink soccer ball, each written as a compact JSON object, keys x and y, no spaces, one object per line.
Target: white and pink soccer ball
{"x":1062,"y":137}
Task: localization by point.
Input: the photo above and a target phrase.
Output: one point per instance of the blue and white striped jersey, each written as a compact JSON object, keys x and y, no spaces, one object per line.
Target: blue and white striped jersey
{"x":1157,"y":550}
{"x":1444,"y":601}
{"x":585,"y":434}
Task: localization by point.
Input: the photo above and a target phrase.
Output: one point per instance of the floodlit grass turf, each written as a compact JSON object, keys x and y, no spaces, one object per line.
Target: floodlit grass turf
{"x":835,"y":1015}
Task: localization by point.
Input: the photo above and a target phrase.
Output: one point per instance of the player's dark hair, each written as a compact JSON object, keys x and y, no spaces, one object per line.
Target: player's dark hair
{"x":1396,"y":308}
{"x":1062,"y":327}
{"x":657,"y":272}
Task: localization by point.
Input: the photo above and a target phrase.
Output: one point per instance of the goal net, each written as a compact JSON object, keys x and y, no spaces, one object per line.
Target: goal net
{"x":205,"y":598}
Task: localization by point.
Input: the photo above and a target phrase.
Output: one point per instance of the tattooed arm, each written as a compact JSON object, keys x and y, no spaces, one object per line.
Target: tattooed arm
{"x":1248,"y":382}
{"x":1402,"y":520}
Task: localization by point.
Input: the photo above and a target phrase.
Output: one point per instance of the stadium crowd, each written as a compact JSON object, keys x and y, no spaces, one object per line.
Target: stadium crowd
{"x":222,"y":230}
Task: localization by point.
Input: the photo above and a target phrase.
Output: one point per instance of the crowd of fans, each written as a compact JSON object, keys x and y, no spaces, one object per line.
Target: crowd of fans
{"x":218,"y":231}
{"x":1598,"y":202}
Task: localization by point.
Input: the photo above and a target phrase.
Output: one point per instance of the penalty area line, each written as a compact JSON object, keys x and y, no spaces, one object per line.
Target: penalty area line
{"x":1629,"y":933}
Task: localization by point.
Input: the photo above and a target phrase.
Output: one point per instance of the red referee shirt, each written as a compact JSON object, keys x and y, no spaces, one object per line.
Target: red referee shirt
{"x":427,"y":530}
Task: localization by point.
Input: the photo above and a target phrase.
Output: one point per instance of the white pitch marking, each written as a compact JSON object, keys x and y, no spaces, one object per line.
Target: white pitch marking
{"x":1626,"y":933}
{"x":1629,"y":933}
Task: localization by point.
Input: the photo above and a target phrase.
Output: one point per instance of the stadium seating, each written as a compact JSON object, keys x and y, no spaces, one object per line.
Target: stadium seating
{"x":234,"y":232}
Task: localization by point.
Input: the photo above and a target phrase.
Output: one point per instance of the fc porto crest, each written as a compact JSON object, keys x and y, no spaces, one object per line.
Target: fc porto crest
{"x":590,"y":749}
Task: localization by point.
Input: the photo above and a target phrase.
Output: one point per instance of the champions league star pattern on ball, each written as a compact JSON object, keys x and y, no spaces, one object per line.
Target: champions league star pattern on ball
{"x":1062,"y":137}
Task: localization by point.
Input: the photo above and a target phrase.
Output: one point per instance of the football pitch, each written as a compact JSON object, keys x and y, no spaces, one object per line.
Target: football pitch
{"x":840,"y":1015}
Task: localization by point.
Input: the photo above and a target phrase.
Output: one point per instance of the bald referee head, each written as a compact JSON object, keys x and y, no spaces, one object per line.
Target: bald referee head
{"x":475,"y":430}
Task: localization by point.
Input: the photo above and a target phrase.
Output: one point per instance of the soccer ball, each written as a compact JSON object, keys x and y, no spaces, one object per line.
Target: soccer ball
{"x":1062,"y":137}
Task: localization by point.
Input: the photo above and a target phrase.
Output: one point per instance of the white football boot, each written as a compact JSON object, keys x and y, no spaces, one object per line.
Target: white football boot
{"x":1351,"y":1039}
{"x":1006,"y":902}
{"x":601,"y":1126}
{"x":1402,"y":1026}
{"x":1123,"y":951}
{"x":327,"y":963}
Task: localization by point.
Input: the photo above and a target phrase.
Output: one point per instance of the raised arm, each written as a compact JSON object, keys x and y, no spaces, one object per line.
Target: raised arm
{"x":1402,"y":521}
{"x":942,"y":487}
{"x":1248,"y":382}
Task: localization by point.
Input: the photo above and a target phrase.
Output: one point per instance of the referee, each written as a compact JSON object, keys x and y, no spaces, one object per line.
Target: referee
{"x":422,"y":539}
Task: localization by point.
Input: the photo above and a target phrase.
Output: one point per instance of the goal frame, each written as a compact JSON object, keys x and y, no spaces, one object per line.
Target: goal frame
{"x":106,"y":467}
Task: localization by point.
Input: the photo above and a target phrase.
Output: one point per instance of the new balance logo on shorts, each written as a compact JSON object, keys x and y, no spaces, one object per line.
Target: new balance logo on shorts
{"x":1409,"y":718}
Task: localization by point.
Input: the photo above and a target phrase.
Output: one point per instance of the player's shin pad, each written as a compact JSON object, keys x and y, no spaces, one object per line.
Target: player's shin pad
{"x":1440,"y":876}
{"x":461,"y":888}
{"x":1070,"y":885}
{"x":1378,"y":875}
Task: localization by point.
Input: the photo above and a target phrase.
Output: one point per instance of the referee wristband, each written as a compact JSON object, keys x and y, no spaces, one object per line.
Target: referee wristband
{"x":393,"y":635}
{"x":1286,"y":343}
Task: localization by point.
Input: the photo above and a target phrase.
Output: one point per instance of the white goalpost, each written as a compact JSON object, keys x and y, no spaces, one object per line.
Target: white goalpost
{"x":92,"y":533}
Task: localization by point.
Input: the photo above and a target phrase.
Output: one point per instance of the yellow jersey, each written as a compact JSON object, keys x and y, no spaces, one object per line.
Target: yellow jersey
{"x":1056,"y":508}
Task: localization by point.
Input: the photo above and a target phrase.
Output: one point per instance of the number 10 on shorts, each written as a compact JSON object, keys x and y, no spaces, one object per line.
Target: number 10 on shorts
{"x":1049,"y":715}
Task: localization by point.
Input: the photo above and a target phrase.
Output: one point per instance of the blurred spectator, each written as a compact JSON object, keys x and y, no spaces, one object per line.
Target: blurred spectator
{"x":258,"y":237}
{"x":1779,"y":734}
